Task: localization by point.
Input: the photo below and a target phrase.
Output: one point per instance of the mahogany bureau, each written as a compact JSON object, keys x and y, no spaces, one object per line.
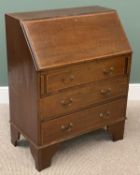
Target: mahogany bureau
{"x":68,"y":75}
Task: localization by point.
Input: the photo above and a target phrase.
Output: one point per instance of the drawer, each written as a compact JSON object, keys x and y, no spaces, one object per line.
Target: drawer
{"x":82,"y":73}
{"x":77,"y":98}
{"x":81,"y":122}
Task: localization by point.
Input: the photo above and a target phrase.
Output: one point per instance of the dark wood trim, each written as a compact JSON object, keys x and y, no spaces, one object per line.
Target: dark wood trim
{"x":43,"y":156}
{"x":116,"y":130}
{"x":15,"y":135}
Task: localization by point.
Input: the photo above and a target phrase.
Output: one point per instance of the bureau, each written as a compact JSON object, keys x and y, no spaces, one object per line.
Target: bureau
{"x":68,"y":75}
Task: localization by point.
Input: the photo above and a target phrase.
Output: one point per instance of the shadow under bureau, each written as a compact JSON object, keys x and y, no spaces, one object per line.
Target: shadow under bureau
{"x":68,"y":75}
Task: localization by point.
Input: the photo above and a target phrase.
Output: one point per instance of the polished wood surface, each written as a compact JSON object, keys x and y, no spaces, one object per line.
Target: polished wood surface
{"x":23,"y":81}
{"x":55,"y":13}
{"x":52,"y":51}
{"x":116,"y":130}
{"x":43,"y":156}
{"x":15,"y":135}
{"x":68,"y":73}
{"x":77,"y":98}
{"x":91,"y":71}
{"x":83,"y":121}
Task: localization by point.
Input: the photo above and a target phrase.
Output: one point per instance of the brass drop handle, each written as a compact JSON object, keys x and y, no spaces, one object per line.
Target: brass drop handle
{"x":105,"y":115}
{"x":71,"y":77}
{"x":67,"y":102}
{"x":106,"y":91}
{"x":109,"y":71}
{"x":67,"y":127}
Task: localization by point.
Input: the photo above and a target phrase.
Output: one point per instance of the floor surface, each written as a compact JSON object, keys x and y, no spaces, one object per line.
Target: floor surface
{"x":91,"y":154}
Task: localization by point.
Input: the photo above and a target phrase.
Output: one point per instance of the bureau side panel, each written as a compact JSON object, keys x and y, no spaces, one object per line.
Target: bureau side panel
{"x":23,"y":82}
{"x":128,"y":71}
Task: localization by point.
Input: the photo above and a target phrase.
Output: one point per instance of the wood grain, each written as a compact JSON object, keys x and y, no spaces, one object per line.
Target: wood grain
{"x":69,"y":73}
{"x":75,"y":99}
{"x":23,"y":82}
{"x":84,"y":73}
{"x":82,"y":121}
{"x":84,"y":38}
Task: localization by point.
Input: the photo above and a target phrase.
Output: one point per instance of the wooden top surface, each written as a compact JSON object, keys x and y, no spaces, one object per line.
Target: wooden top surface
{"x":58,"y":12}
{"x":71,"y":38}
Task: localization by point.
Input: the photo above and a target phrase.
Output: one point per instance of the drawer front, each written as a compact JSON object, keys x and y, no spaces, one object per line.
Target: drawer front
{"x":84,"y":73}
{"x":78,"y":98}
{"x":81,"y":122}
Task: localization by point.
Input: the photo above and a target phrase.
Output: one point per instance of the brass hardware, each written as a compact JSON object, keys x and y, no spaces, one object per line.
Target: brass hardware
{"x":101,"y":115}
{"x":109,"y":71}
{"x":67,"y":102}
{"x":71,"y":77}
{"x":62,"y":127}
{"x":105,"y":115}
{"x":106,"y":91}
{"x":108,"y":114}
{"x":68,"y":127}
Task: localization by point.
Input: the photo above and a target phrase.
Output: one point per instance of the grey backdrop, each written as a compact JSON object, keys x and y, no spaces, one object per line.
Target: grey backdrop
{"x":128,"y":10}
